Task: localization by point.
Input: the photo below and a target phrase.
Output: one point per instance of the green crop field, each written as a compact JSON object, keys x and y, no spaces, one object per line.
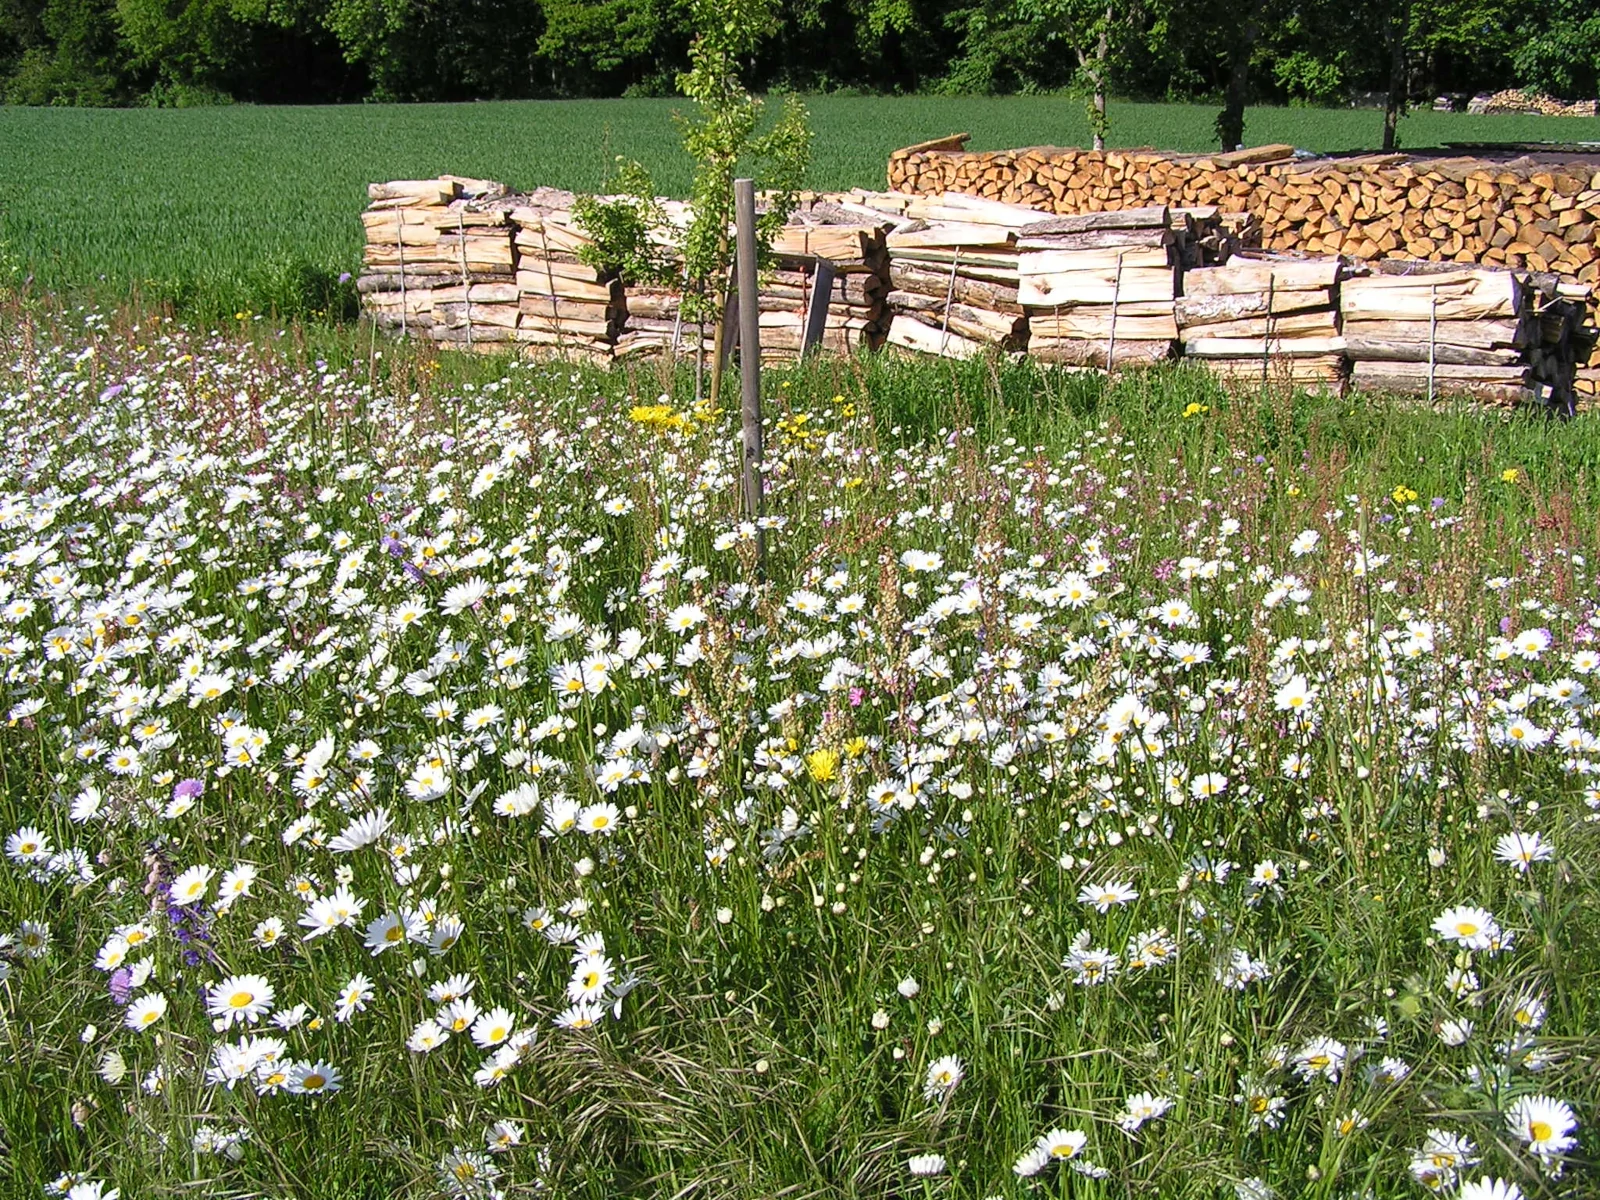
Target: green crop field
{"x":227,"y":208}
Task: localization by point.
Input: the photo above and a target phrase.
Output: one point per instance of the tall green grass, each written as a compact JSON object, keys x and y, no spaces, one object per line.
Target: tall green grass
{"x":232,"y":209}
{"x":775,"y":1046}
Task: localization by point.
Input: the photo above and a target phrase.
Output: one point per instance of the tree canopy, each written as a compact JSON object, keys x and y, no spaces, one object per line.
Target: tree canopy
{"x":99,"y":52}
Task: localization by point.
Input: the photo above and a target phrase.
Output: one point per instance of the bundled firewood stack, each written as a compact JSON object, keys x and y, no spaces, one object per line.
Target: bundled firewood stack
{"x":953,"y":265}
{"x":823,"y":244}
{"x":831,"y":255}
{"x":1496,"y":335}
{"x":1099,"y":287}
{"x":435,"y":253}
{"x":656,"y":320}
{"x":1265,"y":318}
{"x":565,"y":306}
{"x":471,"y":265}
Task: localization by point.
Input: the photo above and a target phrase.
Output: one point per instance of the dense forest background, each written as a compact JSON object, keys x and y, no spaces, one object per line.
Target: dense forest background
{"x":184,"y":52}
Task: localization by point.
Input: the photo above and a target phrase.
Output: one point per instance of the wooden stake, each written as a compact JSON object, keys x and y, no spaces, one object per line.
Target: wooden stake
{"x":744,"y":207}
{"x":817,"y":310}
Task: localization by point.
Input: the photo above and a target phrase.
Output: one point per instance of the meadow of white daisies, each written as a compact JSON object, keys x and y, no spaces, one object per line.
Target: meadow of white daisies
{"x":411,"y":786}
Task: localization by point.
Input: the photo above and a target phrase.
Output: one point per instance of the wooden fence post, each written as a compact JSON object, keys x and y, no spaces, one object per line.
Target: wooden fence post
{"x":744,"y":207}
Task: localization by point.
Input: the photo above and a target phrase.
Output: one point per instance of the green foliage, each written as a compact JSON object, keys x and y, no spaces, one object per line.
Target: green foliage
{"x":1561,"y":55}
{"x":621,"y":224}
{"x":721,"y":138}
{"x":1307,"y":77}
{"x":102,"y":52}
{"x":1097,"y":33}
{"x":64,"y":52}
{"x":596,"y":44}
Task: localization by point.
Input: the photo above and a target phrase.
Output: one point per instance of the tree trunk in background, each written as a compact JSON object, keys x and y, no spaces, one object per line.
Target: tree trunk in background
{"x":1396,"y":100}
{"x":1230,"y":121}
{"x":1092,"y":68}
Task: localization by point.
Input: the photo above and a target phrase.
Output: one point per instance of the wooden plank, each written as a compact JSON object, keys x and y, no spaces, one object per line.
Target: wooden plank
{"x":911,"y":334}
{"x":955,"y":141}
{"x":1321,"y":323}
{"x":1095,"y":287}
{"x":537,"y":283}
{"x":949,"y":233}
{"x":1274,"y":152}
{"x":1079,"y":353}
{"x":1128,"y":218}
{"x":1214,"y":347}
{"x":1484,"y":335}
{"x":1243,"y":277}
{"x":1209,"y":310}
{"x":1368,"y":299}
{"x":1416,"y":370}
{"x":557,"y":269}
{"x":1097,"y":239}
{"x":822,"y":241}
{"x":961,"y":206}
{"x":932,"y":281}
{"x":817,"y":310}
{"x":1364,"y":349}
{"x":1060,"y":262}
{"x":1096,"y":324}
{"x":414,"y":191}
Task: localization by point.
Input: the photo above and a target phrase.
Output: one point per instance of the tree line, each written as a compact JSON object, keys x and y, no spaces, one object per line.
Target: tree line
{"x":178,"y":52}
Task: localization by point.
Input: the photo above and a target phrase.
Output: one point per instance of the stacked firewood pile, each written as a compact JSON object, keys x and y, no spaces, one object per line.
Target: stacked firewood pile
{"x":956,"y":262}
{"x":1265,"y":318}
{"x":1514,"y":100}
{"x":563,"y":303}
{"x":1527,"y":213}
{"x":656,"y":321}
{"x":1099,"y":288}
{"x":1496,"y":335}
{"x":823,"y":249}
{"x":953,"y":266}
{"x":433,"y":254}
{"x":833,"y":256}
{"x":471,"y":265}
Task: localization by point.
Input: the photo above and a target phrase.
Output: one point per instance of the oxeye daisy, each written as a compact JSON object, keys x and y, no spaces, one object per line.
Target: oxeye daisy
{"x":1522,"y":850}
{"x":944,"y":1074}
{"x":240,"y":999}
{"x":191,"y":886}
{"x":1473,"y":928}
{"x":1106,"y":896}
{"x":313,"y":1079}
{"x":493,"y":1027}
{"x":1061,"y":1144}
{"x":579,"y":1016}
{"x":1543,"y":1124}
{"x":145,"y":1011}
